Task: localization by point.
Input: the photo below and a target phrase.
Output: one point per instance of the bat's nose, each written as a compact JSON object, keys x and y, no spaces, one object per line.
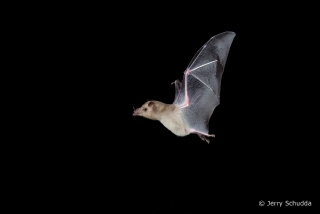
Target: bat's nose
{"x":136,"y":112}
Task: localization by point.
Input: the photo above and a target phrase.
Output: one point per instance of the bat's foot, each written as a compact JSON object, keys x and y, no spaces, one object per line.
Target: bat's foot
{"x":206,"y":138}
{"x":203,"y":136}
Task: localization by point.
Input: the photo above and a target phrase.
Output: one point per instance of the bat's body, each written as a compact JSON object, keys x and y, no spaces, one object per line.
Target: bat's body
{"x":197,"y":95}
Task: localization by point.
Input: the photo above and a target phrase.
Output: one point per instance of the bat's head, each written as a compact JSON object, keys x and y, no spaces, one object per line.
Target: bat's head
{"x":147,"y":110}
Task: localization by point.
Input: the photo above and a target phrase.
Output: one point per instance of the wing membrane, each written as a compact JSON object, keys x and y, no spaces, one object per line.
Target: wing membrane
{"x":199,"y":92}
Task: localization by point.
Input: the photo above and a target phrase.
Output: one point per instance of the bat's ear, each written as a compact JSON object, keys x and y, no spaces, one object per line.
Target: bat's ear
{"x":151,"y":105}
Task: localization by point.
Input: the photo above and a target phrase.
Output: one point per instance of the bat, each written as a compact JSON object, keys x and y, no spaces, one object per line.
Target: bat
{"x":197,"y":95}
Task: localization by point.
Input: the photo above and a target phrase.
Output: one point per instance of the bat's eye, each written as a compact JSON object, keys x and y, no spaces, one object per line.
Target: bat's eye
{"x":145,"y":109}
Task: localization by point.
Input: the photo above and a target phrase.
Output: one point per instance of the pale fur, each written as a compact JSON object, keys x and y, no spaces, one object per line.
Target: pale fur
{"x":168,"y":114}
{"x":173,"y":121}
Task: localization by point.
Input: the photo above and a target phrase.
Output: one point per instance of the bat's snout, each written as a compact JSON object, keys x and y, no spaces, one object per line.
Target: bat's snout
{"x":136,"y":112}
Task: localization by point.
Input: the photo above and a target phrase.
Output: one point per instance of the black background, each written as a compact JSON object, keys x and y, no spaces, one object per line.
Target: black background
{"x":263,"y":149}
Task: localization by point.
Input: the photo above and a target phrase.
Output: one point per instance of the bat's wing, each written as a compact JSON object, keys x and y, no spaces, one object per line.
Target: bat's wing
{"x":199,"y":92}
{"x":178,"y":85}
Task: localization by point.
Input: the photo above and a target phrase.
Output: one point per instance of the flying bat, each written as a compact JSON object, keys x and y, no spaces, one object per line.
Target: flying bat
{"x":197,"y":95}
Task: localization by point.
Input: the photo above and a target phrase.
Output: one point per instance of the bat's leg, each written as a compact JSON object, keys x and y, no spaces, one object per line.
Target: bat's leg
{"x":203,"y":136}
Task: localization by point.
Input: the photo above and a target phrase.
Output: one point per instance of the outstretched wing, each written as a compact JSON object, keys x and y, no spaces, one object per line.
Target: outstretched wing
{"x":199,"y":92}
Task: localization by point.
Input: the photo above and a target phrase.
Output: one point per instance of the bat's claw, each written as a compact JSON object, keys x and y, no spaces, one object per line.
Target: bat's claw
{"x":173,"y":82}
{"x":206,"y":138}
